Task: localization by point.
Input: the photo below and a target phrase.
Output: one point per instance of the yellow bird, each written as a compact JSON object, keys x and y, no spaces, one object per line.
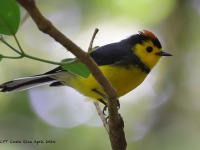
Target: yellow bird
{"x":125,"y":64}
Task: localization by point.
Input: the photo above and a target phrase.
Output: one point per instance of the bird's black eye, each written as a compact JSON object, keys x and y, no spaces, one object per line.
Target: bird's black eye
{"x":149,"y":49}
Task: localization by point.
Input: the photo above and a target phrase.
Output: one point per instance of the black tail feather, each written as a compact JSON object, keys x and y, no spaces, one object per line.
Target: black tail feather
{"x":56,"y":84}
{"x":22,"y":84}
{"x":32,"y":81}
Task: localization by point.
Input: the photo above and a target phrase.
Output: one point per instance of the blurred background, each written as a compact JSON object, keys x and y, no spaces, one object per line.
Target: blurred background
{"x":162,"y":113}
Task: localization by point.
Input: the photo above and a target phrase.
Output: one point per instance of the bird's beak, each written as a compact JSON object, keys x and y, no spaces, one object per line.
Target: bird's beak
{"x":161,"y":53}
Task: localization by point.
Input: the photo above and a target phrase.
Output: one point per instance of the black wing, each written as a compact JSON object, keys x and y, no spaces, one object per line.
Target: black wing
{"x":115,"y":53}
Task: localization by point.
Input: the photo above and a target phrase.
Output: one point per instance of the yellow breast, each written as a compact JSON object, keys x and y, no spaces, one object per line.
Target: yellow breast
{"x":124,"y":79}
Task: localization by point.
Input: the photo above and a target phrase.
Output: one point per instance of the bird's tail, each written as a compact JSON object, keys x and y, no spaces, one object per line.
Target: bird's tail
{"x":26,"y":83}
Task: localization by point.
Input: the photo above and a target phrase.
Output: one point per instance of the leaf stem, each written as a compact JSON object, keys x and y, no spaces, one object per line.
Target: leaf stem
{"x":2,"y":40}
{"x":23,"y":54}
{"x":18,"y":44}
{"x":43,"y":60}
{"x":11,"y":57}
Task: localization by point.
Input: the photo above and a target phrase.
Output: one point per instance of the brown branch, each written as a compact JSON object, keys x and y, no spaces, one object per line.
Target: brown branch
{"x":116,"y":135}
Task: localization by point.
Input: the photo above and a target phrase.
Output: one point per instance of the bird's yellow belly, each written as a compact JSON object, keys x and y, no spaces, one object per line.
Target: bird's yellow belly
{"x":123,"y":79}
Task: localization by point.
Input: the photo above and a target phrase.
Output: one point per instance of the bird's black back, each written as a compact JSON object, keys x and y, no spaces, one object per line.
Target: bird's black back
{"x":120,"y":53}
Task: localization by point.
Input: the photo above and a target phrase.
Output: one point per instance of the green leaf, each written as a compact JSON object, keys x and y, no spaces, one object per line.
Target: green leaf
{"x":76,"y":68}
{"x":9,"y":17}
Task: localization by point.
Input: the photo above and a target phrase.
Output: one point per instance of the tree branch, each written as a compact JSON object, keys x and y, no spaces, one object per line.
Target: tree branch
{"x":117,"y":136}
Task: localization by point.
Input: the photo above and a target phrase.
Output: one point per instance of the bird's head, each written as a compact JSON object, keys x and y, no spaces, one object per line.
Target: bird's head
{"x":147,"y":48}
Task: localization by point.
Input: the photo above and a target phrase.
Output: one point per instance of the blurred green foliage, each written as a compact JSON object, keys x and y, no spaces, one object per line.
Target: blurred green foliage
{"x":163,"y":113}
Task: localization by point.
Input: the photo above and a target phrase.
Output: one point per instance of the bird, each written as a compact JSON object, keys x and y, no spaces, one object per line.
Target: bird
{"x":125,"y":64}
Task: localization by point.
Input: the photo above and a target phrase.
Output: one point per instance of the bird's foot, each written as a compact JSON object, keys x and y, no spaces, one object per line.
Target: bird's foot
{"x":106,"y":106}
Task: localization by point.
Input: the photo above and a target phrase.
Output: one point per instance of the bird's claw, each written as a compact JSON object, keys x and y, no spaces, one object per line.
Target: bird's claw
{"x":105,"y":109}
{"x":121,"y":120}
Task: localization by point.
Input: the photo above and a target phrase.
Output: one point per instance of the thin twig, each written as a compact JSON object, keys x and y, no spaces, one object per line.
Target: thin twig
{"x":101,"y":115}
{"x":92,"y":40}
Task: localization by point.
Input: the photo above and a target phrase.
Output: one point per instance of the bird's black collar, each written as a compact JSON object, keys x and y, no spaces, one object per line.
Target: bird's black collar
{"x":138,"y":63}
